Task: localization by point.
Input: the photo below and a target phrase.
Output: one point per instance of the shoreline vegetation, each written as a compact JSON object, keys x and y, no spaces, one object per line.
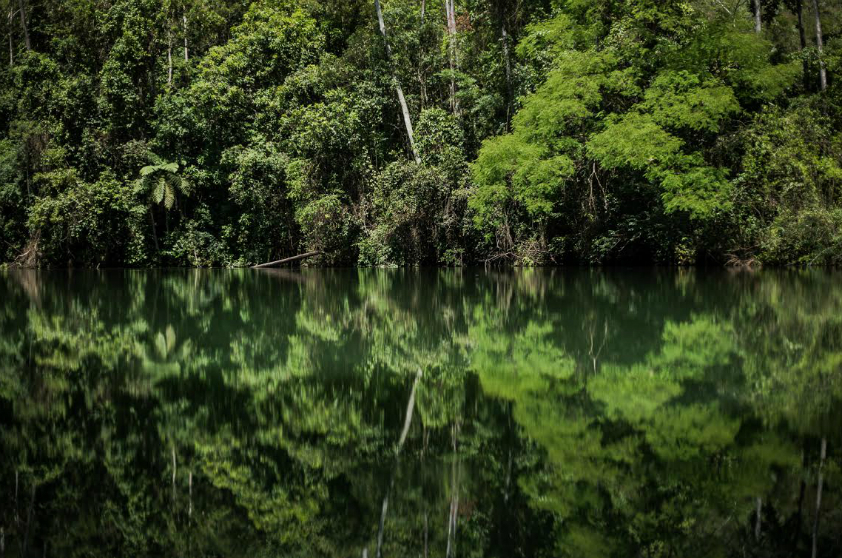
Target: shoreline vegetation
{"x":217,"y":133}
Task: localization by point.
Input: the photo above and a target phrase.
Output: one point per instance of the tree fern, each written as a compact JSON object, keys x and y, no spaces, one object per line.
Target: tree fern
{"x":162,"y":183}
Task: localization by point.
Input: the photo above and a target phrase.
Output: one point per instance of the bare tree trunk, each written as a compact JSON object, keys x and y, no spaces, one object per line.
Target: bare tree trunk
{"x":802,"y":36}
{"x":11,"y":39}
{"x":819,"y":498}
{"x":169,"y":57}
{"x":756,"y":6}
{"x":404,"y":108}
{"x":820,"y":47}
{"x":184,"y":22}
{"x":508,"y":73}
{"x":423,"y":9}
{"x":758,"y":512}
{"x":23,"y":26}
{"x":450,"y":14}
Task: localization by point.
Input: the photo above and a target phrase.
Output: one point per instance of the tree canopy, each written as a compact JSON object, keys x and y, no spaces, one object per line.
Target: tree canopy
{"x":524,"y":132}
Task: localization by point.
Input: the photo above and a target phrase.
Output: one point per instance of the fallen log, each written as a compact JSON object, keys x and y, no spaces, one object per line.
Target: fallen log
{"x":286,"y":260}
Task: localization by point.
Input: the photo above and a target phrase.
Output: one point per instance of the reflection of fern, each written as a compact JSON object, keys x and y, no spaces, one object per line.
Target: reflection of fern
{"x":167,"y":357}
{"x":162,"y":182}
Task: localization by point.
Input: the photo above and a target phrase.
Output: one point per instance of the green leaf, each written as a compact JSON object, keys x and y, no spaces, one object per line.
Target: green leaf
{"x":158,"y":193}
{"x":169,"y":195}
{"x":170,"y":338}
{"x":161,"y":345}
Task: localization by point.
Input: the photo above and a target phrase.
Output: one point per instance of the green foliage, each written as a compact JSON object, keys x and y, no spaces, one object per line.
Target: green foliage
{"x":590,"y":132}
{"x":586,"y":412}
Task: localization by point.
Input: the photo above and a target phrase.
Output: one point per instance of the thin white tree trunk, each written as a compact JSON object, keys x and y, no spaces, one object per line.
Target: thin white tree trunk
{"x":11,"y":46}
{"x":404,"y":108}
{"x":184,"y":22}
{"x":756,"y":6}
{"x":820,"y":47}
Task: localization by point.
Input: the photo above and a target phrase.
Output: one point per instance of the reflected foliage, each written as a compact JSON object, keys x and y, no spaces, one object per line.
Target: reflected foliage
{"x":576,"y":413}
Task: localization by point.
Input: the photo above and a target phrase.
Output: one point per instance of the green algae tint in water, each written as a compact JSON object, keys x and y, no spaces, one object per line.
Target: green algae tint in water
{"x":420,"y":413}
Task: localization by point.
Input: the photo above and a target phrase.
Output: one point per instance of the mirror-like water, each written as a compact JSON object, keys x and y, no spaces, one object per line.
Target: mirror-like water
{"x":422,"y":413}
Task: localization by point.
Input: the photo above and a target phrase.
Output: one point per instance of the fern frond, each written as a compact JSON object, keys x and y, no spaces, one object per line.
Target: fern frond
{"x":169,"y":196}
{"x":158,"y":193}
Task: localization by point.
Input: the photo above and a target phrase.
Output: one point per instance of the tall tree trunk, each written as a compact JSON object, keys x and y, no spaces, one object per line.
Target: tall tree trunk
{"x":423,"y":9}
{"x":802,"y":36}
{"x":453,"y":60}
{"x":508,"y":63}
{"x":819,"y":498}
{"x":184,"y":22}
{"x":23,"y":25}
{"x":758,"y":513}
{"x":11,"y":38}
{"x":169,"y":57}
{"x":756,"y":6}
{"x":404,"y":108}
{"x":820,"y":47}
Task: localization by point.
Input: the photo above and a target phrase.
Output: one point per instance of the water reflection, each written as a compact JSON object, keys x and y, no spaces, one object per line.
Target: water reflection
{"x":422,"y":413}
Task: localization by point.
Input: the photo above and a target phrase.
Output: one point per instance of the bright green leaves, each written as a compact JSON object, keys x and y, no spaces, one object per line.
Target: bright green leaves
{"x":162,"y":183}
{"x":511,"y":170}
{"x":166,"y":167}
{"x":681,"y":100}
{"x":158,"y":192}
{"x":745,"y":63}
{"x":700,"y":190}
{"x":637,"y":141}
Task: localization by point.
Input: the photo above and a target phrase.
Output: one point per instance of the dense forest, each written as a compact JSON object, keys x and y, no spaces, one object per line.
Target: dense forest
{"x":402,"y":132}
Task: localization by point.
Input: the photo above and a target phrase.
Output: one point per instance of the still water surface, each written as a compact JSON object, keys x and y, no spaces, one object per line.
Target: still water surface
{"x":428,"y":413}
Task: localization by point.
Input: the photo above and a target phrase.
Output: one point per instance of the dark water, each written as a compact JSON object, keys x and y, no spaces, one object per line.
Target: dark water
{"x":420,"y":413}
